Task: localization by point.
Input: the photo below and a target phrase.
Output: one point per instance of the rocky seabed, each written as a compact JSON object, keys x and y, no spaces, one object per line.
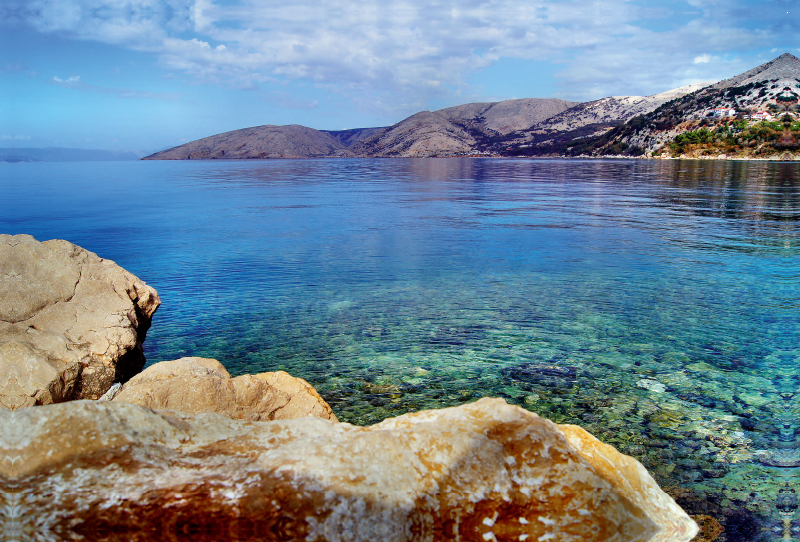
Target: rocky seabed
{"x":182,"y":451}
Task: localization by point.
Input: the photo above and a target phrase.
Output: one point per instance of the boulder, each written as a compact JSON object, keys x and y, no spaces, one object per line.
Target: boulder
{"x":633,"y":481}
{"x":203,"y":385}
{"x":487,"y":471}
{"x":71,"y":323}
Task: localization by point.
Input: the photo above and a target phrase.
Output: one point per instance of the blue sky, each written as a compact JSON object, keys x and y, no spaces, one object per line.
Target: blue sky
{"x":151,"y":74}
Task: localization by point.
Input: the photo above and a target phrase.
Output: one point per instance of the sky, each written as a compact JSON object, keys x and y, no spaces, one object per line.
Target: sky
{"x":145,"y":75}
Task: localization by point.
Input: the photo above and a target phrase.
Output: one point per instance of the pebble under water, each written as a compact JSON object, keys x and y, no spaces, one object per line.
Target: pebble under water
{"x":654,"y":303}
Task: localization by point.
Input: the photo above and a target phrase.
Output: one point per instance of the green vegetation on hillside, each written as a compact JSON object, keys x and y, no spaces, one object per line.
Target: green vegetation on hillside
{"x":738,"y":137}
{"x":691,"y":116}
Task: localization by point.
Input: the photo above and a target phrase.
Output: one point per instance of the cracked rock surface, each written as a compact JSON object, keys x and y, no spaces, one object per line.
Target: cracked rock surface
{"x":71,"y":323}
{"x":203,"y":385}
{"x":99,"y":470}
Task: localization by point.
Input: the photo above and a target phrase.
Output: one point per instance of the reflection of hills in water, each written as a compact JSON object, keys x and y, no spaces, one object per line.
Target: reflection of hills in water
{"x":764,"y":199}
{"x":740,"y":190}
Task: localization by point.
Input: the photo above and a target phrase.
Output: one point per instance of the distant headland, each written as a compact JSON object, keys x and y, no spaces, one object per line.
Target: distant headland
{"x":61,"y":154}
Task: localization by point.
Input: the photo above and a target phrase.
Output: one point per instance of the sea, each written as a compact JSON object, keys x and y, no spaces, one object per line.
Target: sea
{"x":655,"y":303}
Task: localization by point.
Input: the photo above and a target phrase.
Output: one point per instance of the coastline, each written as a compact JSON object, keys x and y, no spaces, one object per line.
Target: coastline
{"x":720,"y":157}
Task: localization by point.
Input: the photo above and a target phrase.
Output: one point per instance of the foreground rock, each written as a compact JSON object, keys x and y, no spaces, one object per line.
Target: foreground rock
{"x":71,"y":323}
{"x":203,"y":385}
{"x":486,"y":471}
{"x":633,"y":481}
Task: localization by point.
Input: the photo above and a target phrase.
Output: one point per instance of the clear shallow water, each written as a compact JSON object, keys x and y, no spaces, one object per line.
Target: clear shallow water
{"x":654,"y":303}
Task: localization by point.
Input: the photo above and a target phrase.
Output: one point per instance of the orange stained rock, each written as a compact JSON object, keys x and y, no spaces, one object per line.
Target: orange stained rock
{"x":480,"y":472}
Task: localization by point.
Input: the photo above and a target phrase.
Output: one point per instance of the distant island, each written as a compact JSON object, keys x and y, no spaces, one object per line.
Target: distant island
{"x":61,"y":154}
{"x":752,"y":115}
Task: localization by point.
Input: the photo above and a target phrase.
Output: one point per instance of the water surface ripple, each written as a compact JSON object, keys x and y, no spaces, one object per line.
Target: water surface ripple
{"x":654,"y":303}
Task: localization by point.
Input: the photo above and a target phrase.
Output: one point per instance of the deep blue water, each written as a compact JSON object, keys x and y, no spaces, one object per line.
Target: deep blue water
{"x":655,"y":303}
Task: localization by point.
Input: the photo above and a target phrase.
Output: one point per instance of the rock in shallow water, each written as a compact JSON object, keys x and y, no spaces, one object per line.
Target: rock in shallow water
{"x":652,"y":385}
{"x":71,"y":323}
{"x":484,"y":471}
{"x":204,"y":385}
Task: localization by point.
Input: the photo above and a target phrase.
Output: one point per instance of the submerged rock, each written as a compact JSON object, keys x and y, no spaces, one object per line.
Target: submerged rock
{"x":203,"y":385}
{"x":71,"y":323}
{"x":485,"y":471}
{"x":778,"y":457}
{"x":651,"y":385}
{"x":553,"y":376}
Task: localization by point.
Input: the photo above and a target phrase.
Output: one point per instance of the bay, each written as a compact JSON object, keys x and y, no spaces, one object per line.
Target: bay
{"x":654,"y":303}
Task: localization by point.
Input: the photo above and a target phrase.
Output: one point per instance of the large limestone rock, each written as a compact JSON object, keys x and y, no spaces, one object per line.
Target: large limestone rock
{"x":71,"y":323}
{"x":481,"y":472}
{"x":633,"y":481}
{"x":203,"y":385}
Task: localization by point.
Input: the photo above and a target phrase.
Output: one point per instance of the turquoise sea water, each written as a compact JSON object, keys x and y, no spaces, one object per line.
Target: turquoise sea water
{"x":654,"y":303}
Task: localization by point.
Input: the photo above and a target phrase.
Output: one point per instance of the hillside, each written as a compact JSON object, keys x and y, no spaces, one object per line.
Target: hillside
{"x":593,"y":118}
{"x":421,"y":135}
{"x":460,"y":130}
{"x":509,"y":115}
{"x":784,"y":67}
{"x":724,"y":110}
{"x":616,"y":125}
{"x":350,"y":137}
{"x":293,"y":141}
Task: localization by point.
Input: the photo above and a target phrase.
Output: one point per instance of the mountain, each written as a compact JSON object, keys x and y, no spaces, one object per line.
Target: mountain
{"x":454,"y":130}
{"x":349,"y":137}
{"x":293,"y":141}
{"x":509,"y":115}
{"x":628,"y":125}
{"x":59,"y":154}
{"x":460,"y":130}
{"x":423,"y":134}
{"x":594,"y":118}
{"x":773,"y":87}
{"x":784,"y":68}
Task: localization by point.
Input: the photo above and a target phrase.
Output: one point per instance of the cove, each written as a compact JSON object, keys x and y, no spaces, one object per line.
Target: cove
{"x":654,"y":303}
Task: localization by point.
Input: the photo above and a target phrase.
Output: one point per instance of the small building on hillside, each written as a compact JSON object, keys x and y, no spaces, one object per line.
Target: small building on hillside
{"x":722,"y":112}
{"x":761,"y":115}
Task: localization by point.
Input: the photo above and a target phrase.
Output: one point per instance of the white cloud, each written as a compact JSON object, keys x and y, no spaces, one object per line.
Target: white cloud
{"x":71,"y":81}
{"x":411,"y":51}
{"x":134,"y":23}
{"x":15,"y":137}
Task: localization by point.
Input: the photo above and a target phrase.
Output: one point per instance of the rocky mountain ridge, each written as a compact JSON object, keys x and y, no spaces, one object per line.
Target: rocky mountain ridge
{"x":459,"y":130}
{"x":455,"y":130}
{"x":627,"y":125}
{"x":293,"y":141}
{"x":596,"y":117}
{"x":730,"y":111}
